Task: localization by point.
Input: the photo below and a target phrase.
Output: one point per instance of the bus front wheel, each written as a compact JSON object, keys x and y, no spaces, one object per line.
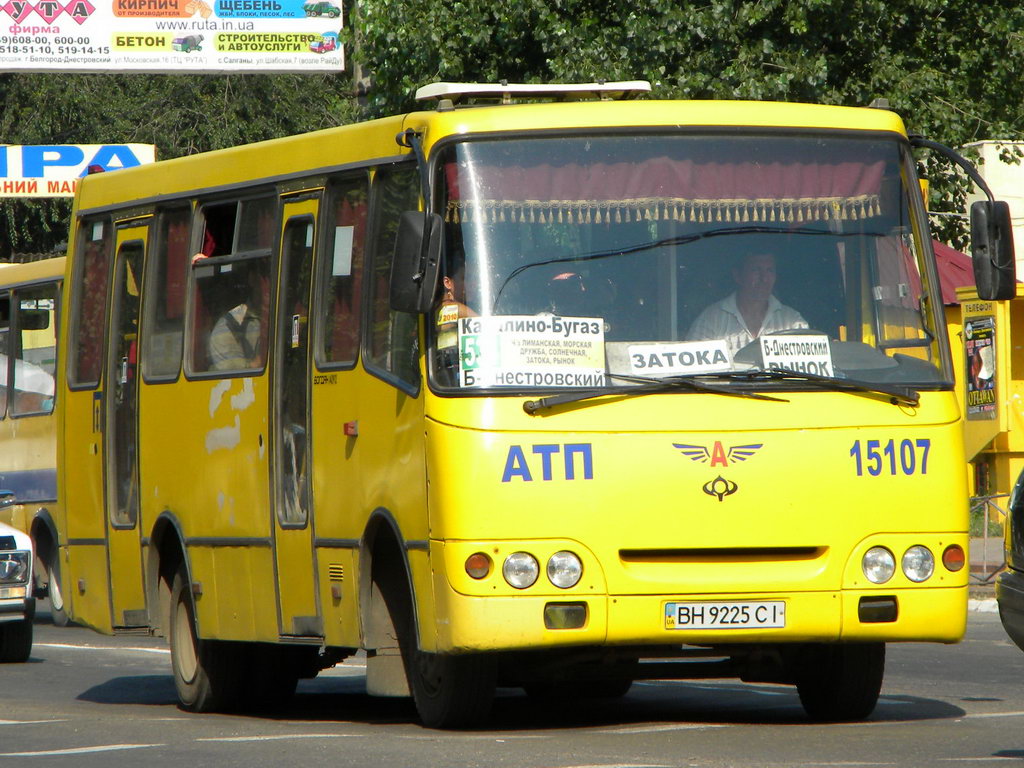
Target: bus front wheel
{"x":452,"y":691}
{"x":840,"y":681}
{"x":204,"y":670}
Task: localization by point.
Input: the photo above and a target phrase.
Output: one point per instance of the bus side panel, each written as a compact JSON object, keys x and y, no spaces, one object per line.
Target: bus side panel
{"x":82,"y":470}
{"x":380,"y":469}
{"x":206,"y":462}
{"x":339,"y":587}
{"x":87,"y":598}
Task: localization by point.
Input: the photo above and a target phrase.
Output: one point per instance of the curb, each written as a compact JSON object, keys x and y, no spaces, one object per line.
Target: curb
{"x":984,"y":605}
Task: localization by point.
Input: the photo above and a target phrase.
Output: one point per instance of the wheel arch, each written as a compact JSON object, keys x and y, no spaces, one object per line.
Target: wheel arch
{"x":383,"y":558}
{"x":43,"y":530}
{"x":167,"y":553}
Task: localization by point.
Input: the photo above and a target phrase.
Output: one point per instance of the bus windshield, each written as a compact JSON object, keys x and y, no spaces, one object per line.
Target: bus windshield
{"x":604,"y":260}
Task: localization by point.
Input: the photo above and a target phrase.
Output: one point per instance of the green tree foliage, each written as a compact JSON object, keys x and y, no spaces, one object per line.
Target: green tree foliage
{"x":179,"y":114}
{"x":948,"y":66}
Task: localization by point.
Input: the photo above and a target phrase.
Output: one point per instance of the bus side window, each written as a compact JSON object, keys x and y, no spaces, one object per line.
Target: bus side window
{"x":34,"y":350}
{"x":231,"y":295}
{"x":392,"y":346}
{"x":91,"y":282}
{"x":343,"y":271}
{"x":165,"y":304}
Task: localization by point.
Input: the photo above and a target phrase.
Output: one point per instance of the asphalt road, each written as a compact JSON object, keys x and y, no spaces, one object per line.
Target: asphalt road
{"x":86,"y":700}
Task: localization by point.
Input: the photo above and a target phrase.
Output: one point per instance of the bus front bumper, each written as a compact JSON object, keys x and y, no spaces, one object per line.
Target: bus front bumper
{"x":526,"y":622}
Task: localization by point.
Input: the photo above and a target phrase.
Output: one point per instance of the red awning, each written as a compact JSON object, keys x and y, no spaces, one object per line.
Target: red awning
{"x":955,"y":271}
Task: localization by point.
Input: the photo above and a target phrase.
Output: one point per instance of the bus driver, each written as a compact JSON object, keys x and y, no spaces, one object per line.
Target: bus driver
{"x":748,"y":312}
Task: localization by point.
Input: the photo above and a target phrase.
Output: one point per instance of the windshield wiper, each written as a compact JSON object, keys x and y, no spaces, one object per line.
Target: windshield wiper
{"x":647,"y":386}
{"x":898,"y":395}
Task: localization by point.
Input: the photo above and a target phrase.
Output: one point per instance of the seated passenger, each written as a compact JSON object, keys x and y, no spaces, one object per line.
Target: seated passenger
{"x":235,"y":342}
{"x":750,"y":311}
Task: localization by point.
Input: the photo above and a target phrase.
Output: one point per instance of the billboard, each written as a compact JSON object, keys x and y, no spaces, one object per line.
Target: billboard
{"x":171,"y":36}
{"x":53,"y":170}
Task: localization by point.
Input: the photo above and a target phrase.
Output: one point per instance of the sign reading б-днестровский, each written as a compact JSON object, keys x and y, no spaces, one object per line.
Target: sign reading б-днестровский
{"x":171,"y":36}
{"x":53,"y":170}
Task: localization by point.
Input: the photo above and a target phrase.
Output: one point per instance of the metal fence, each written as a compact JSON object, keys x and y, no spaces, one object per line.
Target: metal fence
{"x":987,"y":557}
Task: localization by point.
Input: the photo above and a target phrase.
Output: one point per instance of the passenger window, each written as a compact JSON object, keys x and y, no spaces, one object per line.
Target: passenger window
{"x":393,"y":335}
{"x":231,"y":286}
{"x":34,"y":350}
{"x":343,"y":270}
{"x":89,"y":301}
{"x":165,"y":304}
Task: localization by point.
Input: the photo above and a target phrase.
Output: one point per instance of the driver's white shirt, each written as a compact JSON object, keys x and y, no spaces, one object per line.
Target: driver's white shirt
{"x":723,"y":320}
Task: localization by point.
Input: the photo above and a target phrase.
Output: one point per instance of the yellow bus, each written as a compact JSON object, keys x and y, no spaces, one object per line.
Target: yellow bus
{"x":473,"y":390}
{"x":29,"y":311}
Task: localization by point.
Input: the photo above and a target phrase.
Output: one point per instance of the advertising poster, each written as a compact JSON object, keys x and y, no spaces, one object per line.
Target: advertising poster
{"x":171,"y":36}
{"x":53,"y":170}
{"x":980,"y":356}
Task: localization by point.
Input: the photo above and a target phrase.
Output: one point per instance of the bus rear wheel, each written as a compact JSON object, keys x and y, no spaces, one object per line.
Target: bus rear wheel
{"x":205,"y":671}
{"x":58,"y":613}
{"x":840,"y":681}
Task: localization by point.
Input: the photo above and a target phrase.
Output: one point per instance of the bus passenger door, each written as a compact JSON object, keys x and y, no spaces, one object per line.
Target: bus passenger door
{"x":298,"y":606}
{"x":121,"y":468}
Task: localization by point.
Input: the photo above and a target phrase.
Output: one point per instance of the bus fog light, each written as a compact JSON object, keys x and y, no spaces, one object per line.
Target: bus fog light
{"x":953,"y":558}
{"x":520,"y":570}
{"x":478,"y":565}
{"x":878,"y":565}
{"x":564,"y":569}
{"x":565,"y":615}
{"x":918,"y":563}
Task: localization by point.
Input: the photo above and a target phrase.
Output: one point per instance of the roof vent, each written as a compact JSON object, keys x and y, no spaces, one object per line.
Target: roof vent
{"x":506,"y":92}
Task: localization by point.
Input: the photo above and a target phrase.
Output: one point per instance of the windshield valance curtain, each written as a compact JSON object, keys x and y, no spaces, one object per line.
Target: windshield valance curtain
{"x":664,"y":189}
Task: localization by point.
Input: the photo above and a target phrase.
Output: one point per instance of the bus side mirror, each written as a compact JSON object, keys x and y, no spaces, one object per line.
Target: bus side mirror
{"x":992,"y":250}
{"x":7,"y":499}
{"x":416,"y":260}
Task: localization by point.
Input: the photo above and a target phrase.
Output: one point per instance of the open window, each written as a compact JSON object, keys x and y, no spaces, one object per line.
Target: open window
{"x":231,"y":270}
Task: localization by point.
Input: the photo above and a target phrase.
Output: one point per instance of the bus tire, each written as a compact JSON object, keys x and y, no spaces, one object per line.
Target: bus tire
{"x":15,"y":641}
{"x":840,"y":681}
{"x":452,"y":691}
{"x":205,"y":671}
{"x":58,"y":611}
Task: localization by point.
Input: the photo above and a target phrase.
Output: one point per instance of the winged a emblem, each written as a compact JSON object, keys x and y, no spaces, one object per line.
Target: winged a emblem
{"x":717,"y":454}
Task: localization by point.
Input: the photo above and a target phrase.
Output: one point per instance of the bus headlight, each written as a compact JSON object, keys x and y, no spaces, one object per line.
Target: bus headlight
{"x":520,"y":570}
{"x":564,"y":569}
{"x":918,"y":563}
{"x":878,"y":565}
{"x":14,"y":567}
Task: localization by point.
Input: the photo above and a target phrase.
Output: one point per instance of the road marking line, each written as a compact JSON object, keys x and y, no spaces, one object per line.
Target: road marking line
{"x":972,"y":759}
{"x":31,"y":722}
{"x":81,"y":750}
{"x":281,"y":737}
{"x":101,"y":647}
{"x":993,"y":714}
{"x":629,"y":729}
